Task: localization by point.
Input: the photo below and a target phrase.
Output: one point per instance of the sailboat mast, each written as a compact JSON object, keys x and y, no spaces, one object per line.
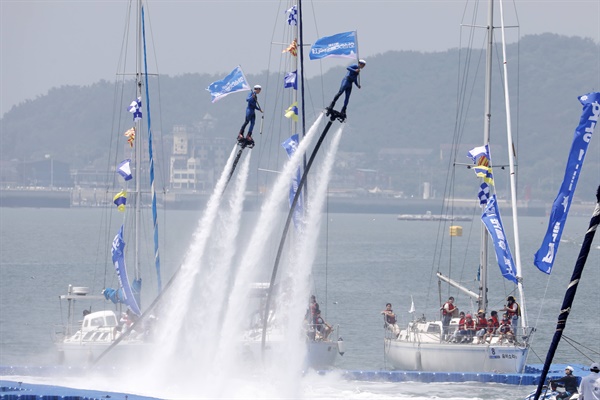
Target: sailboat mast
{"x":513,"y":183}
{"x":138,"y":147}
{"x":294,"y":63}
{"x":301,"y":49}
{"x":483,"y":256}
{"x":300,"y":28}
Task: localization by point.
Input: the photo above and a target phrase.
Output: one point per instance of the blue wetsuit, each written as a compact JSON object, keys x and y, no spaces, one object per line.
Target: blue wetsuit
{"x":346,"y":86}
{"x":250,"y":113}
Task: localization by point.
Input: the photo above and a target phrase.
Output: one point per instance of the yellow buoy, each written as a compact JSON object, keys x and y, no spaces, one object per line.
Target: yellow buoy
{"x":455,"y":230}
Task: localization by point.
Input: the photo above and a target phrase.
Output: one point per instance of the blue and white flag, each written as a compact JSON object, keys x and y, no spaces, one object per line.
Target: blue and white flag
{"x":234,"y":82}
{"x":484,"y":193}
{"x":292,"y":15}
{"x":124,"y":169}
{"x":477,"y":152}
{"x":544,"y":257}
{"x":493,"y":222}
{"x":290,"y":80}
{"x":118,"y":258}
{"x":136,"y":109}
{"x":290,"y":146}
{"x":340,"y":45}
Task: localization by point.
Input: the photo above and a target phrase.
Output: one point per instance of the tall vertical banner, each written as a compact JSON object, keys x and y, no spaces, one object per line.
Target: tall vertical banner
{"x":118,"y":259}
{"x":493,"y":223}
{"x":544,"y":257}
{"x":290,"y":146}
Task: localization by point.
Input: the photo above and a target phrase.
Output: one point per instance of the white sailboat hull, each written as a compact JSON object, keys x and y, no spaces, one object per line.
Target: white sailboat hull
{"x":82,"y":354}
{"x":319,"y":354}
{"x":322,"y":355}
{"x":419,"y":348}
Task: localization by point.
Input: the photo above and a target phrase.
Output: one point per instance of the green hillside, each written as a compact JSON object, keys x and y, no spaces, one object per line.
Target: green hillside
{"x":402,"y":119}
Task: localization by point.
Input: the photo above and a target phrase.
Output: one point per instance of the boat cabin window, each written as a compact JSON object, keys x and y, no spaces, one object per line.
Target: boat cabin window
{"x":433,"y":328}
{"x":98,"y":321}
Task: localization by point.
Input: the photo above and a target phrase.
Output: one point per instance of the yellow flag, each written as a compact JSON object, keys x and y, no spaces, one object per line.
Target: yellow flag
{"x":292,"y":112}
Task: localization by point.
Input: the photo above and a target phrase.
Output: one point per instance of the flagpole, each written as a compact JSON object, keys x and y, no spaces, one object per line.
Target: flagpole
{"x":303,"y":123}
{"x":357,"y":57}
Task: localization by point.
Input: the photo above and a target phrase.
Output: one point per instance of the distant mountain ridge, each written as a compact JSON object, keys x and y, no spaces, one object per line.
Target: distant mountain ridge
{"x":407,"y":101}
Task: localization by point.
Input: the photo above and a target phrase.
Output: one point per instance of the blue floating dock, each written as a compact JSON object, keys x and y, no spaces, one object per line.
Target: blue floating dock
{"x":531,"y":375}
{"x":12,"y":390}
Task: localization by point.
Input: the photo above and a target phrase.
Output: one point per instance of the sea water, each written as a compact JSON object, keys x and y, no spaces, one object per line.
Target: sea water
{"x":363,"y":262}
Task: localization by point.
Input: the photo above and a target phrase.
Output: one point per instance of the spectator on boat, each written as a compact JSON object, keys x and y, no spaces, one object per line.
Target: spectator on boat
{"x":346,"y":86}
{"x":313,"y":306}
{"x":322,"y":327}
{"x":250,"y":115}
{"x":505,"y":330}
{"x":490,"y":331}
{"x":459,"y":328}
{"x":470,"y":328}
{"x":448,"y":311}
{"x":466,"y":329}
{"x":589,"y":389}
{"x":480,"y":325}
{"x":513,"y":310}
{"x":494,"y":315}
{"x":127,"y":320}
{"x":569,"y":382}
{"x":390,"y":321}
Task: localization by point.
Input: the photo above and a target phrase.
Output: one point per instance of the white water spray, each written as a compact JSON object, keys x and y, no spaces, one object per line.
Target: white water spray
{"x":202,"y":345}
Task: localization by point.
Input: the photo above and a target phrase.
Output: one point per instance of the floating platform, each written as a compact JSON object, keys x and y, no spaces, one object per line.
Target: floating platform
{"x":531,"y":376}
{"x":10,"y":390}
{"x":13,"y":390}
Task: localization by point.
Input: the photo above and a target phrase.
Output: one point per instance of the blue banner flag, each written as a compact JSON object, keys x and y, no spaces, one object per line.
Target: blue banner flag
{"x":234,"y":82}
{"x":290,"y":146}
{"x":340,"y":45}
{"x":544,"y":257}
{"x":118,"y":258}
{"x":493,"y":223}
{"x":290,"y":81}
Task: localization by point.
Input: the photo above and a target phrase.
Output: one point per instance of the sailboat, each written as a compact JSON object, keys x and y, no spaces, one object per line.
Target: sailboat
{"x":425,"y":345}
{"x":118,"y":318}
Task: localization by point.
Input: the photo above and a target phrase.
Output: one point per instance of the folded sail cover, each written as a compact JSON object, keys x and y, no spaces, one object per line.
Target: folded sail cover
{"x":340,"y":45}
{"x":544,"y":257}
{"x":125,"y":293}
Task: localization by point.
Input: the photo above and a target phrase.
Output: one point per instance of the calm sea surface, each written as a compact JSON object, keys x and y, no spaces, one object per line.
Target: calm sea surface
{"x":364,"y":261}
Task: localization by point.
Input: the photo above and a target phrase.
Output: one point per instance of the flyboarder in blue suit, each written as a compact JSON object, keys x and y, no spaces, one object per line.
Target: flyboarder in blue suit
{"x":250,"y":116}
{"x":346,"y":86}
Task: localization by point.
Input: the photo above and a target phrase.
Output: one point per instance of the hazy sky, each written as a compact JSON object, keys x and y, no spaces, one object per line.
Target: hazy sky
{"x":49,"y":43}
